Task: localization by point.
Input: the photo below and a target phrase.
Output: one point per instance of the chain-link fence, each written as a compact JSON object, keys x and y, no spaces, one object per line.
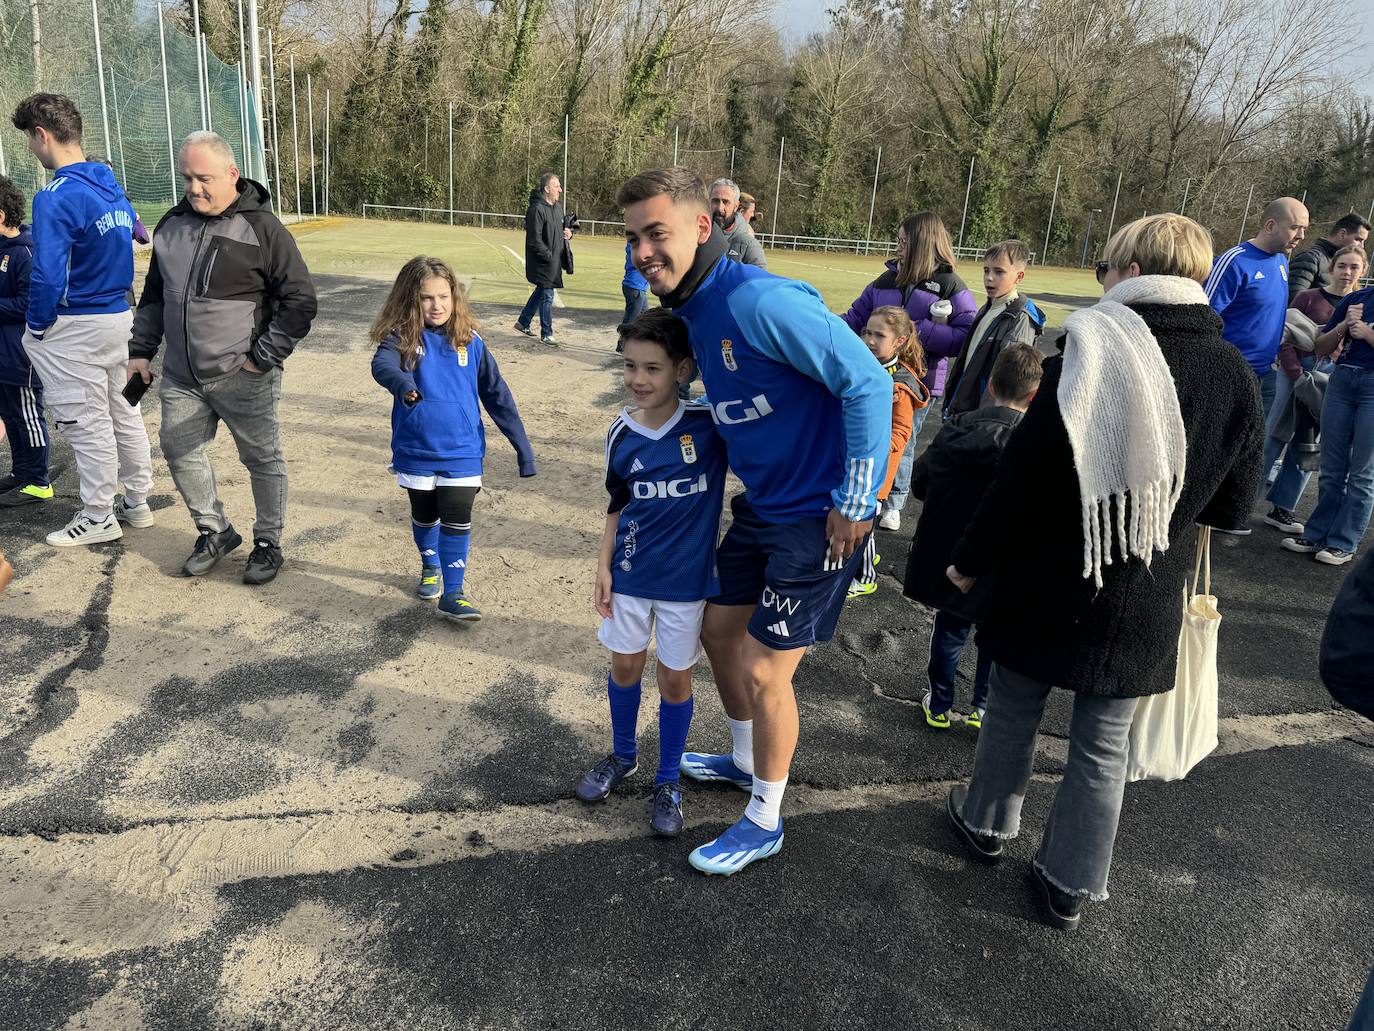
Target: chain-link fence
{"x":141,"y":81}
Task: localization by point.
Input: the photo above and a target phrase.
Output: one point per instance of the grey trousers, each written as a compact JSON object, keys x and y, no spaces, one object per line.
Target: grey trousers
{"x":1076,"y":850}
{"x":247,"y":404}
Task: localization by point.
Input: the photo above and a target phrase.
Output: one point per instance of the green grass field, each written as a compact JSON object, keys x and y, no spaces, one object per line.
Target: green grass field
{"x":491,"y":260}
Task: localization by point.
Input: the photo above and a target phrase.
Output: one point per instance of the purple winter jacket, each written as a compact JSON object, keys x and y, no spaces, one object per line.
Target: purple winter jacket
{"x":940,"y":340}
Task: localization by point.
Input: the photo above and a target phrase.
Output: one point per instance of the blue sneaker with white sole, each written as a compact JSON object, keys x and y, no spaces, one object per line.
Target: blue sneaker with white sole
{"x":706,"y":767}
{"x":744,"y":843}
{"x":431,"y":583}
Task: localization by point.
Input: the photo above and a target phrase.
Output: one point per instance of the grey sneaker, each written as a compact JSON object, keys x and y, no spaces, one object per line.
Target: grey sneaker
{"x":524,"y":329}
{"x":139,"y":515}
{"x":549,"y":340}
{"x":1333,"y":556}
{"x":1301,"y":545}
{"x":263,"y":563}
{"x":210,"y":548}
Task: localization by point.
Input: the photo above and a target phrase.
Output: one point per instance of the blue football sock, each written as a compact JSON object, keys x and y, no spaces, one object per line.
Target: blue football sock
{"x":453,"y":556}
{"x":624,"y":717}
{"x":674,"y":719}
{"x":427,"y":540}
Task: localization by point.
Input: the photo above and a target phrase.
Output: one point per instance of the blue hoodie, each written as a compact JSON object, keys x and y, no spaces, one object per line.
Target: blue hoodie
{"x":83,"y":259}
{"x":441,"y":433}
{"x":16,"y":256}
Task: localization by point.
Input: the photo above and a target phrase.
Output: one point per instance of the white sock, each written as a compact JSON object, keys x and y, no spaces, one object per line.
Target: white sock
{"x":765,"y":806}
{"x":742,"y":733}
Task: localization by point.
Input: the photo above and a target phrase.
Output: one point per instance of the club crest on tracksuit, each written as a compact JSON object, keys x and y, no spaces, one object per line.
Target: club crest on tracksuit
{"x":689,"y":449}
{"x":727,"y":355}
{"x":462,"y":355}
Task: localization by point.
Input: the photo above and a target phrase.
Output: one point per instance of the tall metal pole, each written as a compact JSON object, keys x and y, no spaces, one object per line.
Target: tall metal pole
{"x":873,"y":199}
{"x":276,"y":154}
{"x":1370,"y":216}
{"x":167,"y":104}
{"x":100,"y":71}
{"x":1050,"y":224}
{"x":202,"y":76}
{"x":205,"y":58}
{"x":1187,"y":185}
{"x":327,"y":171}
{"x":4,"y":169}
{"x":1245,"y":217}
{"x":119,"y":131}
{"x":777,"y":190}
{"x":310,"y":132}
{"x":1111,"y":223}
{"x":450,"y":162}
{"x":565,"y":163}
{"x":675,"y":145}
{"x":296,"y":136}
{"x":255,"y":76}
{"x":1088,"y":236}
{"x":1303,"y":198}
{"x":732,"y":162}
{"x":968,"y":191}
{"x":243,"y":95}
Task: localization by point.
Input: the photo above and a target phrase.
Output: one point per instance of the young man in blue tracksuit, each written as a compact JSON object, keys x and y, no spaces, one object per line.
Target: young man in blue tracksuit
{"x":21,"y":391}
{"x":78,"y":322}
{"x":806,"y":414}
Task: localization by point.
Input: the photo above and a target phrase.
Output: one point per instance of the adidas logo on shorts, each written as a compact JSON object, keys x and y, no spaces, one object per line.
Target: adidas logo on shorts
{"x":779,"y":628}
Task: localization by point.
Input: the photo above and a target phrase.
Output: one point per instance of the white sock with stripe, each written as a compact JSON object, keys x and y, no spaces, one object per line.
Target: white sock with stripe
{"x":742,"y":733}
{"x":765,"y":806}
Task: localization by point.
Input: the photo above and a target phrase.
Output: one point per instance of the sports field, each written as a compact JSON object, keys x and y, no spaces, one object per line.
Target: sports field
{"x":492,"y":260}
{"x":313,"y":805}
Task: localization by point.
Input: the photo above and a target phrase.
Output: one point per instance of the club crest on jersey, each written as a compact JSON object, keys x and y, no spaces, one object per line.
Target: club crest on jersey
{"x":727,"y":355}
{"x":689,"y":448}
{"x":5,"y":263}
{"x":462,"y":355}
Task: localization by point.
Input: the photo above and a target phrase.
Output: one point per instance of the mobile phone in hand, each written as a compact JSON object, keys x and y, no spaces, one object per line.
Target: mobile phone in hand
{"x":135,"y":389}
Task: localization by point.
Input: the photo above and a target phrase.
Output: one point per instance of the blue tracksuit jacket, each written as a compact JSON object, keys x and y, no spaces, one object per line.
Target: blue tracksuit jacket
{"x":442,"y":432}
{"x":804,"y":407}
{"x":83,"y":260}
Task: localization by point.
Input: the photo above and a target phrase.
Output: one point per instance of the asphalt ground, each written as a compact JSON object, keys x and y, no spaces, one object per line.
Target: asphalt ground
{"x":337,"y":815}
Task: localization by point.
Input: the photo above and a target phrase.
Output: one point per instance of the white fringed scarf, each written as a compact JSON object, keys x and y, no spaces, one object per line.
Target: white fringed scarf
{"x":1119,"y":406}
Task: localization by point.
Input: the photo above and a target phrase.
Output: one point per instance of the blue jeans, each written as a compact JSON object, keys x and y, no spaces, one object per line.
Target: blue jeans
{"x":1345,"y":491}
{"x":635,"y":303}
{"x":901,"y":483}
{"x":1363,"y":1020}
{"x":1076,"y":850}
{"x":947,"y":639}
{"x":1287,"y":486}
{"x":541,"y":298}
{"x":1268,"y":384}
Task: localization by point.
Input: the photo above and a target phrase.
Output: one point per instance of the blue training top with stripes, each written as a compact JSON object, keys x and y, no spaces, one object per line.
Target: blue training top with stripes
{"x":668,"y":485}
{"x":804,"y":407}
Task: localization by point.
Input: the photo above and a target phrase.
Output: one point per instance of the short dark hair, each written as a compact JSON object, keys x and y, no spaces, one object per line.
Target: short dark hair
{"x":1016,"y":373}
{"x":682,"y":185}
{"x":11,"y":203}
{"x":1351,"y":223}
{"x":1014,"y":251}
{"x":52,"y":111}
{"x":659,"y":326}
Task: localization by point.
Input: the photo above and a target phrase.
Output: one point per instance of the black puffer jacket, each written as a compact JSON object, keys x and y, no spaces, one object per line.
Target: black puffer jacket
{"x":951,"y":477}
{"x":1044,"y":619}
{"x":1310,"y":268}
{"x":1347,"y":652}
{"x":544,"y":241}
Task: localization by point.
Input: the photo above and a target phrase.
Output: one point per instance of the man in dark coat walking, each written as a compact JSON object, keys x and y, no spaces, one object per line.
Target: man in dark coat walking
{"x":546,"y":242}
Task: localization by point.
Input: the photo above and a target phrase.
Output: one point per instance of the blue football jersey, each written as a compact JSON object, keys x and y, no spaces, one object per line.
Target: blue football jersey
{"x":668,"y":486}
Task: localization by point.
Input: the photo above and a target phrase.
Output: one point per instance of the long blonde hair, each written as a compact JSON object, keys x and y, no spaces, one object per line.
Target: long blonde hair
{"x":898,"y":321}
{"x":401,"y":315}
{"x":927,"y":248}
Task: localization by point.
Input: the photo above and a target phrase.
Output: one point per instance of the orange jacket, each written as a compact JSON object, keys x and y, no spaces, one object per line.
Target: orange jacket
{"x":909,"y":395}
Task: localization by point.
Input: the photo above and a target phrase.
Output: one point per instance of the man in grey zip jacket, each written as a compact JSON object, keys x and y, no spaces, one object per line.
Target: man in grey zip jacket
{"x":229,"y":292}
{"x":740,"y":242}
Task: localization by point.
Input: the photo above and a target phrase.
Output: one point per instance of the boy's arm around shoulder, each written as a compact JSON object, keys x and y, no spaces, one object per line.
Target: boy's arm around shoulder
{"x":500,"y":405}
{"x":388,"y":371}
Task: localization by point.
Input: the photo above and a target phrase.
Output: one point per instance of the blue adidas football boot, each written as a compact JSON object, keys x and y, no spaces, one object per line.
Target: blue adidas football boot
{"x":719,"y":768}
{"x":744,"y":843}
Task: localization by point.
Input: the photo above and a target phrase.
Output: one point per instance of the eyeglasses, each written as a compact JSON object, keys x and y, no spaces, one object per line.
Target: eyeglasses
{"x":1100,"y":269}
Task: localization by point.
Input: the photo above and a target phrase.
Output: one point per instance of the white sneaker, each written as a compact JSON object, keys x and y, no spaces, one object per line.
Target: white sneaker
{"x":135,"y":515}
{"x":891,"y":519}
{"x":85,"y":530}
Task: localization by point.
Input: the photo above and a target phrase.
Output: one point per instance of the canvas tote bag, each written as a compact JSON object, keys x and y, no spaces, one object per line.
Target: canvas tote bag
{"x":1172,"y":732}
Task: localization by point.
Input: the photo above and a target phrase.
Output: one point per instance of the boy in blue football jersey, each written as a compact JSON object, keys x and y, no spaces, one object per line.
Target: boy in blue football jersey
{"x":665,"y":472}
{"x":805,"y":411}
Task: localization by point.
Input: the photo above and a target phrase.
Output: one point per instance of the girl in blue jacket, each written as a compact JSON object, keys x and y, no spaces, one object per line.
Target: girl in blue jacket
{"x":437,"y":368}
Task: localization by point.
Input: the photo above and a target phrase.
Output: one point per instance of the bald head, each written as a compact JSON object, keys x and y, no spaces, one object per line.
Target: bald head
{"x":1282,"y":226}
